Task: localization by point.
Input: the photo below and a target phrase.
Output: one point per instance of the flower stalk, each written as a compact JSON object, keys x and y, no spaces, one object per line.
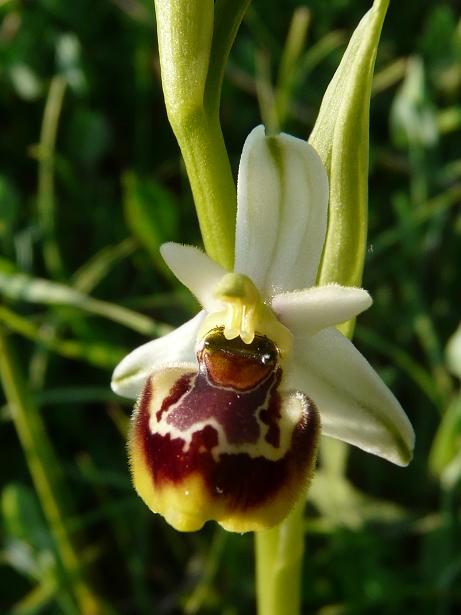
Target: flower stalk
{"x":210,"y":176}
{"x":279,"y":557}
{"x":190,"y":32}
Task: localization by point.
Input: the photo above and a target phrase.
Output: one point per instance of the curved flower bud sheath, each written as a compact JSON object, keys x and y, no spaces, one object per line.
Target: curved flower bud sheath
{"x":221,"y":442}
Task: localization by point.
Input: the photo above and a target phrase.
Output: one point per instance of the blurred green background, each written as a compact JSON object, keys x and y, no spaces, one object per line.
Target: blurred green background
{"x":91,"y":183}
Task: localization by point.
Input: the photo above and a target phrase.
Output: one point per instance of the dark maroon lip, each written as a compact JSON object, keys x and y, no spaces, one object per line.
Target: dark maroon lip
{"x":242,"y":480}
{"x":223,"y":424}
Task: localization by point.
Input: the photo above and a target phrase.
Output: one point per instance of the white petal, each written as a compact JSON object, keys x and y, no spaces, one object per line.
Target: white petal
{"x":194,"y":269}
{"x":354,"y":403}
{"x":282,"y":212}
{"x":308,"y":311}
{"x":175,"y":348}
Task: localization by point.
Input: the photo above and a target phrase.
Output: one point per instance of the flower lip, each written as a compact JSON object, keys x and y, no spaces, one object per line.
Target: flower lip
{"x":241,"y":456}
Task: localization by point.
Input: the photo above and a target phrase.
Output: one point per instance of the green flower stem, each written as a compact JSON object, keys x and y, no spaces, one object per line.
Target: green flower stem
{"x":279,"y":557}
{"x":210,"y":175}
{"x":190,"y":32}
{"x":45,"y":472}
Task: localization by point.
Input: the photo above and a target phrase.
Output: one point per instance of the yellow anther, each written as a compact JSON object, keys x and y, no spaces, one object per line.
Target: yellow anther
{"x":233,"y":322}
{"x":240,"y":297}
{"x":248,"y":325}
{"x":244,"y":314}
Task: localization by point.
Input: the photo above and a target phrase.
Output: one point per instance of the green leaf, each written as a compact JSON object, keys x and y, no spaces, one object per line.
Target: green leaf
{"x":22,"y":287}
{"x":66,"y":396}
{"x":10,"y":208}
{"x":317,"y":52}
{"x":413,"y":119}
{"x":151,"y":214}
{"x":22,"y":517}
{"x":34,"y":602}
{"x":91,"y":273}
{"x":446,"y":446}
{"x":47,"y":477}
{"x":95,"y":353}
{"x":7,"y":266}
{"x":342,"y":504}
{"x":289,"y":62}
{"x":340,"y":136}
{"x":29,"y":548}
{"x":46,"y":195}
{"x":453,"y":352}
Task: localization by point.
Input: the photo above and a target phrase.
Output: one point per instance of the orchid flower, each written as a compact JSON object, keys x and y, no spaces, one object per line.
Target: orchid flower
{"x":230,"y":404}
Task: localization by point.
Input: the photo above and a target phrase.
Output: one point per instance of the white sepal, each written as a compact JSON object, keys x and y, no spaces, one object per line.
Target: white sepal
{"x":354,"y":403}
{"x":176,"y":347}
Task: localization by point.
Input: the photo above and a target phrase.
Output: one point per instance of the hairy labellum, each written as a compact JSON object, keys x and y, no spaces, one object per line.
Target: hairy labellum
{"x":222,"y":442}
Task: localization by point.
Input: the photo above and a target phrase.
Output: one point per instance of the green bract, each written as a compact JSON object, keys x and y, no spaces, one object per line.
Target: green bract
{"x":185,"y":31}
{"x":340,"y":136}
{"x":189,"y":34}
